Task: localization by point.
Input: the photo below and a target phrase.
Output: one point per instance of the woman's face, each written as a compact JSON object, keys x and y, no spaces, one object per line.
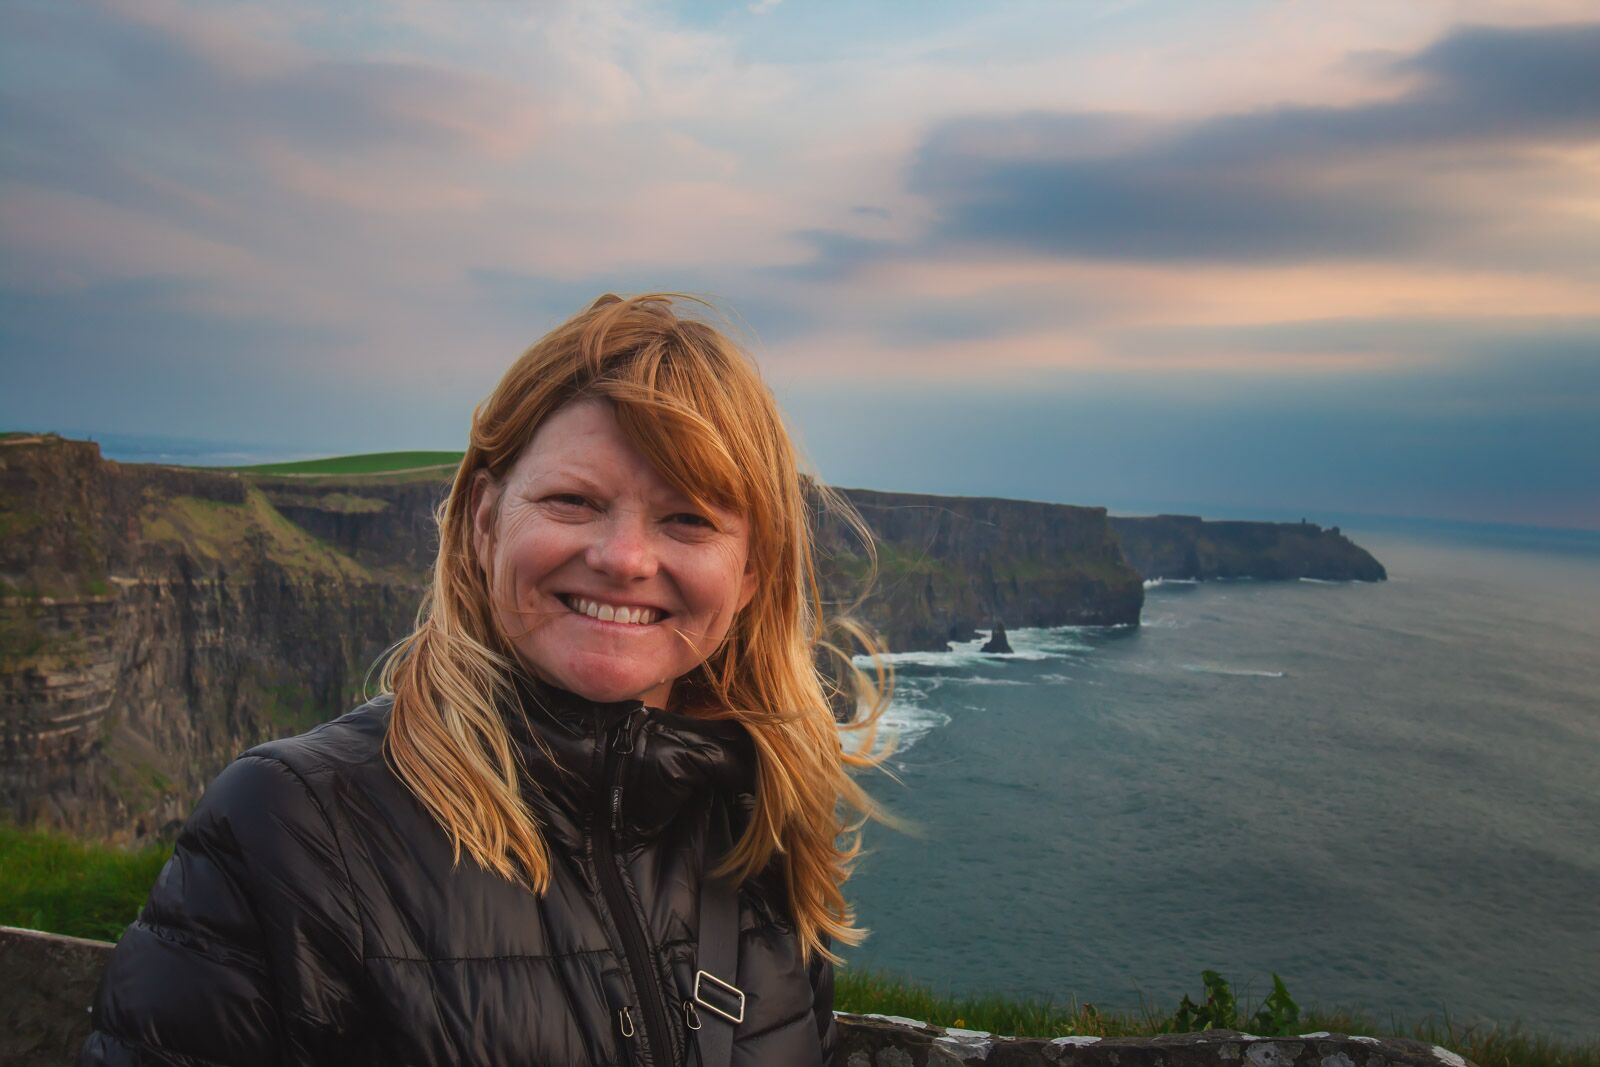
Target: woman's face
{"x":609,"y":581}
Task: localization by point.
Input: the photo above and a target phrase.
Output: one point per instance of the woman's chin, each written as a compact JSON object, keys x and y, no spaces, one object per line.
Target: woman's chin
{"x":611,"y":686}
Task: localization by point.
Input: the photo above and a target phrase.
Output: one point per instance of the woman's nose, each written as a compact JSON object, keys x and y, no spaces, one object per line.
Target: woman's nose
{"x":622,"y":548}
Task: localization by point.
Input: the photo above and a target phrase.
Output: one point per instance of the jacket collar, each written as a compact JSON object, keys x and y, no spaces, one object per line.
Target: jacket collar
{"x":578,"y":752}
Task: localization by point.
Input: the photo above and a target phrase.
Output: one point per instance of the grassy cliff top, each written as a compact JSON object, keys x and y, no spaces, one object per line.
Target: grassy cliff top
{"x":365,"y":463}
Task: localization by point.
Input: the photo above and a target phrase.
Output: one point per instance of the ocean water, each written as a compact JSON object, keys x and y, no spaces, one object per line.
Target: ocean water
{"x":188,"y":451}
{"x":1386,"y":793}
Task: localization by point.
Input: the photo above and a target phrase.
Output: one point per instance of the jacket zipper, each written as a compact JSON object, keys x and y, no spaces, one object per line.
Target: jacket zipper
{"x":608,"y":822}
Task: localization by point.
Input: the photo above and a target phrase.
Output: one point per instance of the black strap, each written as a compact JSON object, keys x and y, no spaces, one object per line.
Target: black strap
{"x":715,"y":999}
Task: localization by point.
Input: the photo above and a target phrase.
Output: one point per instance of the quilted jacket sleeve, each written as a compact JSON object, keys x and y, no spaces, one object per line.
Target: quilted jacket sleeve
{"x":248,"y":950}
{"x":822,"y":1004}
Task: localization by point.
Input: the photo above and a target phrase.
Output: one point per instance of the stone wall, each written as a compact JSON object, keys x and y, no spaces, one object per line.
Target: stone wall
{"x":47,"y":983}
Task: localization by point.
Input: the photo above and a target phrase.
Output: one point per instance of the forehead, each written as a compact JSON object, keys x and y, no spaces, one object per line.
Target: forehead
{"x":584,"y":440}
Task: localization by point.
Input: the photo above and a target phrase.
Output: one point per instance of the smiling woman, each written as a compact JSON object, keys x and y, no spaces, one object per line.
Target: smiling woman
{"x":595,"y":818}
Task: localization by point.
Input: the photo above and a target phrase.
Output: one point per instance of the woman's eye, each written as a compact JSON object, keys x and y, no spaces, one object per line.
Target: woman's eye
{"x":571,"y":500}
{"x":690,"y":518}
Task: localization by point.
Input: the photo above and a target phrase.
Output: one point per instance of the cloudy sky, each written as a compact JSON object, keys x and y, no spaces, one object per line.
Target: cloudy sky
{"x":1237,"y":255}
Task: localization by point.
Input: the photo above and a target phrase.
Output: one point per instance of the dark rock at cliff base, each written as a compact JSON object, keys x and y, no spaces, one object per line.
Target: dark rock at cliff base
{"x":1187,"y":546}
{"x":997,"y":643}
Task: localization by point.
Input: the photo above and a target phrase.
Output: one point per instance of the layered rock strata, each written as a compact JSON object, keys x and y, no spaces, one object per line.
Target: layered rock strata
{"x":153,"y":623}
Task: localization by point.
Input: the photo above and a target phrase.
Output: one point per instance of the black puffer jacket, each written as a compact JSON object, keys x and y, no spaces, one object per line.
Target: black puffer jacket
{"x":311,"y":912}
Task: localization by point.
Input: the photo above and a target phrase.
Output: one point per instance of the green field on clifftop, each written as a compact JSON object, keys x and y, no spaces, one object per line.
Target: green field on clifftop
{"x":365,"y":463}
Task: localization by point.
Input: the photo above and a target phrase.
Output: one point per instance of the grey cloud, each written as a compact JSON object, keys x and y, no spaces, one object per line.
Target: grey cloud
{"x":132,"y":114}
{"x":1547,"y":76}
{"x":1259,"y":185}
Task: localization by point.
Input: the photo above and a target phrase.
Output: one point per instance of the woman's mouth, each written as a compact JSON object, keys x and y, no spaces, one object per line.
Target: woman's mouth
{"x":628,"y":614}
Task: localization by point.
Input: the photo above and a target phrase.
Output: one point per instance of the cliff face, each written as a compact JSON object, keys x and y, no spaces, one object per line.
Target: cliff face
{"x":153,"y":623}
{"x":950,"y":565}
{"x":1186,"y":546}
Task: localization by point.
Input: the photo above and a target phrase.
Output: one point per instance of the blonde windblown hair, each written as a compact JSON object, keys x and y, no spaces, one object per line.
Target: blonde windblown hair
{"x":696,"y":408}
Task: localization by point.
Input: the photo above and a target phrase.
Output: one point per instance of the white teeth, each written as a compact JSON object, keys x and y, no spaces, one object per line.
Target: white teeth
{"x":610,"y":613}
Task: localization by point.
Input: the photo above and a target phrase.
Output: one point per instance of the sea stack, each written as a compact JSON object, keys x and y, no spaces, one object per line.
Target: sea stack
{"x":997,"y":640}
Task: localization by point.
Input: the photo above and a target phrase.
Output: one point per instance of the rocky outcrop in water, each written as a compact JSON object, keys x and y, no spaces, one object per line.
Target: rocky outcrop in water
{"x":997,"y":643}
{"x":1187,"y":546}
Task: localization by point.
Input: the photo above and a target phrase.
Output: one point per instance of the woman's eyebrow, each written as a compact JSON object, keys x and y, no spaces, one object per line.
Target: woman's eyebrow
{"x":567,"y":476}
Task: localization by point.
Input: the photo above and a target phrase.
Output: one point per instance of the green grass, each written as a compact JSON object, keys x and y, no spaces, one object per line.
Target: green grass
{"x":213,"y":529}
{"x":366,"y":463}
{"x":52,"y":882}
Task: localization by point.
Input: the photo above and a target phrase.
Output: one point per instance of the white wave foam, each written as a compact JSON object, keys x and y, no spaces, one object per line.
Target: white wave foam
{"x":1028,"y":644}
{"x":925,"y":659}
{"x":1048,"y":643}
{"x":960,"y":654}
{"x":905,"y":722}
{"x":1236,"y":672}
{"x":1320,"y":581}
{"x":1151,"y":583}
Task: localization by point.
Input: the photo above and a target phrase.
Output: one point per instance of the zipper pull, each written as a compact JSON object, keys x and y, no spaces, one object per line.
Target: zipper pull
{"x":691,"y":1017}
{"x":622,"y":739}
{"x":625,"y":1021}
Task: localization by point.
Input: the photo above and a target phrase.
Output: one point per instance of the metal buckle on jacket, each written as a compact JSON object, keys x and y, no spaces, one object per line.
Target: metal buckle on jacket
{"x":720,"y":987}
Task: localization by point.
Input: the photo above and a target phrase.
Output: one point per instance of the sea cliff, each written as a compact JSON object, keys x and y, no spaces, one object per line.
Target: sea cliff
{"x":1187,"y":546}
{"x":155,"y":621}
